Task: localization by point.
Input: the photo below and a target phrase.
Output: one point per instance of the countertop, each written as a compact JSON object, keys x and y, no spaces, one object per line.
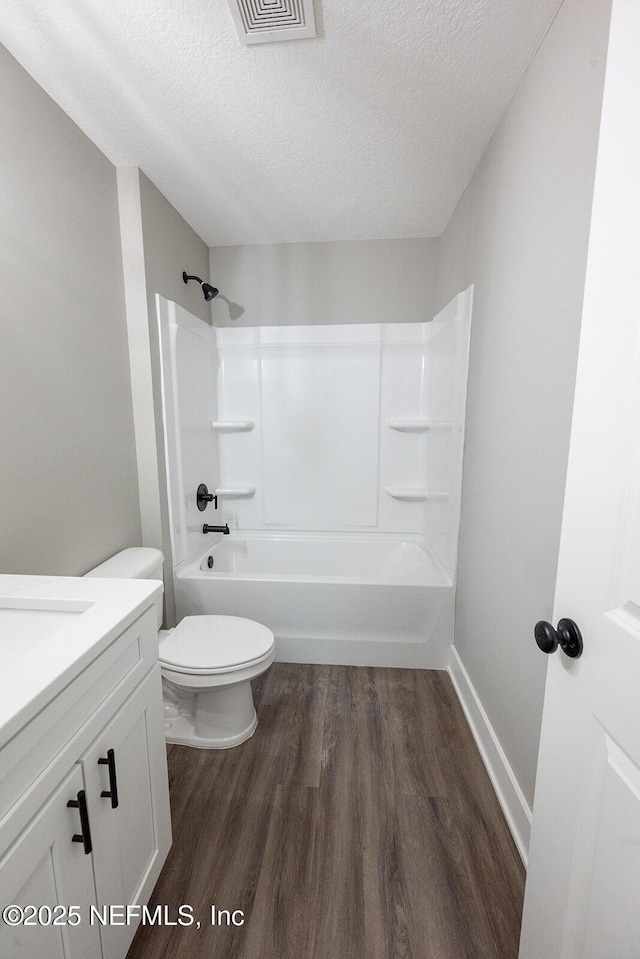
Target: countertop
{"x":100,"y":610}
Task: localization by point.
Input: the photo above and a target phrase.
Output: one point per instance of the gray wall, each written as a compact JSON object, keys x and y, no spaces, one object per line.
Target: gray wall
{"x":365,"y":281}
{"x":171,"y":246}
{"x":520,"y":235}
{"x":68,"y":488}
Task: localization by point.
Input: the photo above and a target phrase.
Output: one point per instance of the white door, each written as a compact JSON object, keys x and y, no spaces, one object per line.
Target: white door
{"x":582,"y":897}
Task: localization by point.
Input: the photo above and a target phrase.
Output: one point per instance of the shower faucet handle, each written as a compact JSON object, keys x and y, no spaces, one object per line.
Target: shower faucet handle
{"x":203,"y":496}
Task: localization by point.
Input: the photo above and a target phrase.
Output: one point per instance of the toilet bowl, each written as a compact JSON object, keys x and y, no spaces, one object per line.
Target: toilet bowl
{"x":207,"y":664}
{"x":211,"y":661}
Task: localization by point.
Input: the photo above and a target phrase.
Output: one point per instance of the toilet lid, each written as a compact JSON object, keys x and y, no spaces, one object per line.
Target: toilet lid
{"x":215,"y":642}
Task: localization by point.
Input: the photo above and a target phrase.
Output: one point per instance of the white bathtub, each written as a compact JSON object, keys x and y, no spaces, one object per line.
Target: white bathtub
{"x":357,"y":599}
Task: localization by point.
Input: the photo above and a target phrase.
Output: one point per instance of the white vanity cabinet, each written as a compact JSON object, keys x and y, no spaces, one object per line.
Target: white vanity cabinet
{"x":130,"y":839}
{"x":84,"y":805}
{"x":43,"y":868}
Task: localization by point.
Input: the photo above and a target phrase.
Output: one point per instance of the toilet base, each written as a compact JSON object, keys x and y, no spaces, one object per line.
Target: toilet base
{"x":182,"y":732}
{"x":217,"y":718}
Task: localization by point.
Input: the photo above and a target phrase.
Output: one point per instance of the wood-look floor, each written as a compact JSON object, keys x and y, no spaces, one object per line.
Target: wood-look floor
{"x":357,"y":823}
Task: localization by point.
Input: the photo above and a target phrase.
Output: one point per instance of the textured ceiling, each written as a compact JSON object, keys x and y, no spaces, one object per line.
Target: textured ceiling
{"x":371,"y":130}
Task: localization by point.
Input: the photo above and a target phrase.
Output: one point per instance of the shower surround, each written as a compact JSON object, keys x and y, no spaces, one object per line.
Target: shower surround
{"x":336,"y":456}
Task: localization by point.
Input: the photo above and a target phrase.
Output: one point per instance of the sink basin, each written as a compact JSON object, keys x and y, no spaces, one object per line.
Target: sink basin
{"x":25,"y":624}
{"x":52,"y":629}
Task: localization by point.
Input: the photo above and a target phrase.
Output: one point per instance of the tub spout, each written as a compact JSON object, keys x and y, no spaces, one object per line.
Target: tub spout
{"x":216,"y":529}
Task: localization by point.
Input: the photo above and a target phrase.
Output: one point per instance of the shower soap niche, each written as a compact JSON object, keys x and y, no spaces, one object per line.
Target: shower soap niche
{"x":233,"y":426}
{"x":233,"y":491}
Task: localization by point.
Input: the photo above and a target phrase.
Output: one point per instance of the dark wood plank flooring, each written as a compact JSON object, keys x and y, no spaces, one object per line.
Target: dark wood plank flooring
{"x":357,"y":823}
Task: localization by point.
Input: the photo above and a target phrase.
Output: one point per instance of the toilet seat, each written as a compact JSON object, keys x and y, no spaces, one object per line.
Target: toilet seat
{"x":207,"y":645}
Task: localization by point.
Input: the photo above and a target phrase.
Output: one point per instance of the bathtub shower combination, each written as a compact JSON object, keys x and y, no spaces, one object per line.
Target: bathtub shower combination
{"x":335,"y":454}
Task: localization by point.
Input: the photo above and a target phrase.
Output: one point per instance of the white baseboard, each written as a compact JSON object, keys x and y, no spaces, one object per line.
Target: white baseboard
{"x":510,"y":796}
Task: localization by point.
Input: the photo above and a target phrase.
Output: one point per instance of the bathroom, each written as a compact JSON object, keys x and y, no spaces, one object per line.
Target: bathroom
{"x":90,"y":241}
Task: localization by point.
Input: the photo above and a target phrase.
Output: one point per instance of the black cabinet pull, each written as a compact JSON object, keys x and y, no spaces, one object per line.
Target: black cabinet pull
{"x":85,"y":836}
{"x":112,"y":792}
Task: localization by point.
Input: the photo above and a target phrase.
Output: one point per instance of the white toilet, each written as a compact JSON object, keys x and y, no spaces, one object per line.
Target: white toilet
{"x":207,"y":664}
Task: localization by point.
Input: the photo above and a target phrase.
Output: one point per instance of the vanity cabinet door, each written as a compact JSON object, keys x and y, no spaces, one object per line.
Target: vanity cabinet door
{"x":125,"y":772}
{"x":46,"y":868}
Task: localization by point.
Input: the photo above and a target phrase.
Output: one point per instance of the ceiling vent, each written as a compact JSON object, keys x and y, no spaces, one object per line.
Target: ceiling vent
{"x":265,"y":21}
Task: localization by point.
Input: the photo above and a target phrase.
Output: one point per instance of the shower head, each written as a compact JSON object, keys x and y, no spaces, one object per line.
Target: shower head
{"x":208,"y":291}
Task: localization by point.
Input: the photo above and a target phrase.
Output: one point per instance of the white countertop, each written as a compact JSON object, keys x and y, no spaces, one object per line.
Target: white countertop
{"x":51,"y":628}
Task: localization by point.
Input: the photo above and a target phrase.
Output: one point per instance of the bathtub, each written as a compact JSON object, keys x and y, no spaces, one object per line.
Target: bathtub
{"x":349,"y":599}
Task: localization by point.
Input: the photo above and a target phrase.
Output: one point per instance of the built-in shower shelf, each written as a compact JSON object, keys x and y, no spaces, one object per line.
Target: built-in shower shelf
{"x":414,"y":494}
{"x":233,"y":426}
{"x":417,"y":425}
{"x":232,"y":491}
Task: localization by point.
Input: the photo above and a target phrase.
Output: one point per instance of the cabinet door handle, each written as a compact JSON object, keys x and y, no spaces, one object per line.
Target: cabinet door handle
{"x":85,"y":836}
{"x":112,"y":792}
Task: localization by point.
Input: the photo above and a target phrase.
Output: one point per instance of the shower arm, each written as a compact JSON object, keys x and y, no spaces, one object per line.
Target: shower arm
{"x":208,"y":291}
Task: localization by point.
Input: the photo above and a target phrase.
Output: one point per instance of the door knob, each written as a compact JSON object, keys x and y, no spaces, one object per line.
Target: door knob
{"x":567,"y":636}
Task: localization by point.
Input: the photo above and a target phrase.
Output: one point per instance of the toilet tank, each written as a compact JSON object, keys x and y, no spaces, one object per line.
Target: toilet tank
{"x":136,"y":562}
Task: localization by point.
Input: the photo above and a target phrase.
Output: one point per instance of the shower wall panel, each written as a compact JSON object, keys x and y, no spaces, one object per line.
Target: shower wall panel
{"x":189,"y":366}
{"x":320,"y":416}
{"x":238,"y":437}
{"x":319,"y":454}
{"x":340,"y":429}
{"x":447,"y":375}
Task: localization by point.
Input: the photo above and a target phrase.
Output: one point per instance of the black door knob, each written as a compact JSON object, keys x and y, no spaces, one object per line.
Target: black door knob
{"x":567,"y":636}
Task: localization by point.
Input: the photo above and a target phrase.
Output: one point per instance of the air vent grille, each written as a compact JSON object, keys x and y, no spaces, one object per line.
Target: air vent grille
{"x":264,"y":21}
